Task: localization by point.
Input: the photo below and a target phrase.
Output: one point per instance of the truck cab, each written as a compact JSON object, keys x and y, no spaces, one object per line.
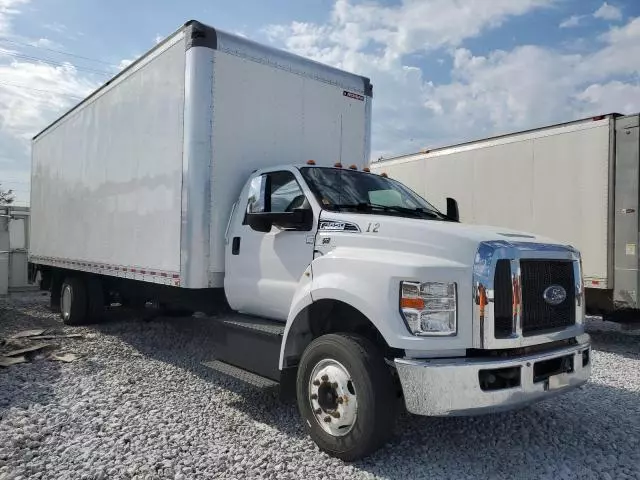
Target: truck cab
{"x":385,"y":300}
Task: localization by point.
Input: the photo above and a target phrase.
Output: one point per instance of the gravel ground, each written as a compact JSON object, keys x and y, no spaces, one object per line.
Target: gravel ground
{"x":139,"y":404}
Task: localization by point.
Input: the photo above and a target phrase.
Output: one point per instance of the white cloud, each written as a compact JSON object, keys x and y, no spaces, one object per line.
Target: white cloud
{"x":8,"y":9}
{"x":125,"y":63}
{"x":608,"y":12}
{"x":411,"y":26}
{"x":32,"y":94}
{"x":502,"y":92}
{"x":614,"y":96}
{"x":605,"y":12}
{"x":45,"y":43}
{"x":492,"y":93}
{"x":572,"y":21}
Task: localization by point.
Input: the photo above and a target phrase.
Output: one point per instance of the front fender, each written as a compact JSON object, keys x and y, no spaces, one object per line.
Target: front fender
{"x":369,"y":280}
{"x":301,"y":300}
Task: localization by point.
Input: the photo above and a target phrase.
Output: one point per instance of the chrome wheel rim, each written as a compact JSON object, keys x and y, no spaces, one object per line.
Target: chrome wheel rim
{"x":66,"y":302}
{"x":332,"y":396}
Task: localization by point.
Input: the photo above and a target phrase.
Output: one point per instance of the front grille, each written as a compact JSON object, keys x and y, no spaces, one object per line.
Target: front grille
{"x":503,"y":303}
{"x":535,"y":277}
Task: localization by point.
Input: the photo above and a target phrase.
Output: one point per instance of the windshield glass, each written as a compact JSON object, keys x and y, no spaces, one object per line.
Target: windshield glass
{"x":342,"y":189}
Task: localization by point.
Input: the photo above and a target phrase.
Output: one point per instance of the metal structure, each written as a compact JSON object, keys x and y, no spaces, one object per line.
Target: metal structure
{"x":14,"y":241}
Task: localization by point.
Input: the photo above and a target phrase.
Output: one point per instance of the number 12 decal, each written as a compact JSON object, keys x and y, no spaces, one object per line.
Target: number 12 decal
{"x":373,"y":227}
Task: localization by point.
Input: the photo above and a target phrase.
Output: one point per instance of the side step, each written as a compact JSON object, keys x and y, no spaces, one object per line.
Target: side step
{"x":249,"y":343}
{"x":240,"y":374}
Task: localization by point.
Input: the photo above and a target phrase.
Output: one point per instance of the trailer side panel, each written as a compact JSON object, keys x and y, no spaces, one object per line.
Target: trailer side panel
{"x":109,"y":173}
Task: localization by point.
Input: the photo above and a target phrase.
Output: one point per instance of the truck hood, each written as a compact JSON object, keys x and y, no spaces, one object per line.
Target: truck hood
{"x":449,"y":240}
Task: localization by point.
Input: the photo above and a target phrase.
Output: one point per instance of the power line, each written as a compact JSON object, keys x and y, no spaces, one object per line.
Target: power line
{"x":8,"y":84}
{"x":53,"y":62}
{"x":20,"y":44}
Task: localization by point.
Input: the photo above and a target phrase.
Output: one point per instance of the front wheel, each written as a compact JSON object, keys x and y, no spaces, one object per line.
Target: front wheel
{"x":346,"y":395}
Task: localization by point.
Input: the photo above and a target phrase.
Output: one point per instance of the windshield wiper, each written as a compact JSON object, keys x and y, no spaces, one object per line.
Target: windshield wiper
{"x":417,"y":210}
{"x":367,"y":206}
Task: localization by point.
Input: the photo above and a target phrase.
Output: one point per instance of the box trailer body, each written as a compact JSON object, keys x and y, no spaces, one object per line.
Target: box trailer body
{"x":576,"y":182}
{"x":138,"y":180}
{"x":208,"y":176}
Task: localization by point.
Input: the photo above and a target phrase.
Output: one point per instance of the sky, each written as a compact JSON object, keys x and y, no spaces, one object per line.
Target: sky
{"x":444,"y":71}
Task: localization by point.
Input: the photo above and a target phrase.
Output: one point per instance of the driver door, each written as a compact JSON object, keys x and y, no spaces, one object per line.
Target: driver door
{"x":263,"y":269}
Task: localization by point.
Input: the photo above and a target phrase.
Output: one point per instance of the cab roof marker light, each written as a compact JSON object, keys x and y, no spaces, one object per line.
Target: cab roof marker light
{"x":337,"y":165}
{"x":384,"y":175}
{"x":311,"y":162}
{"x":366,"y":169}
{"x":353,"y":166}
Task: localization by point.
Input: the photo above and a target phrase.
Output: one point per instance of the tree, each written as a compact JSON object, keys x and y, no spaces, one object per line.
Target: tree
{"x":6,"y":196}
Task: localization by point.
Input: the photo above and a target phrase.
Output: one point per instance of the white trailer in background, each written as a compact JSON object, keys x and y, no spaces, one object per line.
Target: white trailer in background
{"x":576,"y":182}
{"x":207,"y":176}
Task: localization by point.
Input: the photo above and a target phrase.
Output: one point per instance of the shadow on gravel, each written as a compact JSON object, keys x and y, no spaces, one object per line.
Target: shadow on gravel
{"x":572,"y":435}
{"x":616,"y":342}
{"x":186,"y":342}
{"x":29,"y":383}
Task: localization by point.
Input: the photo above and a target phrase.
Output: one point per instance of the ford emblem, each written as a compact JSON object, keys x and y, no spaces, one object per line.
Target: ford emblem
{"x":554,"y":295}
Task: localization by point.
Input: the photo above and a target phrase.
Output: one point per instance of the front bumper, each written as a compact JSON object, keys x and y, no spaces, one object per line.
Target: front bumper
{"x":443,"y":387}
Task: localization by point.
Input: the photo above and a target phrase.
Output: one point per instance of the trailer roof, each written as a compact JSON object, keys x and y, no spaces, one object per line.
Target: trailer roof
{"x":200,"y":35}
{"x":497,"y":137}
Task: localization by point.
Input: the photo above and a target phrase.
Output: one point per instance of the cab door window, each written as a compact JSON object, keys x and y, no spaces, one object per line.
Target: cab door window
{"x":275,"y":192}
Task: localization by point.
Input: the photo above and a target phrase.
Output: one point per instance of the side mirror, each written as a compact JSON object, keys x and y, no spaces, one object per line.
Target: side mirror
{"x":259,"y":222}
{"x":452,"y":209}
{"x":300,"y":219}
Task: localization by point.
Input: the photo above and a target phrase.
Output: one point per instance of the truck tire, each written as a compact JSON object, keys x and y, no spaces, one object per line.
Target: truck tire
{"x":346,"y":395}
{"x":73,"y":301}
{"x":95,"y":300}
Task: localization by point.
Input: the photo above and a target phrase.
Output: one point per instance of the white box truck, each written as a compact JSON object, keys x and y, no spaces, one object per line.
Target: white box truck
{"x":186,"y":181}
{"x":576,"y":182}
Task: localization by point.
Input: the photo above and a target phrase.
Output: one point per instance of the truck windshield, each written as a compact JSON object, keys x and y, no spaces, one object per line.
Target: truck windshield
{"x":350,"y":190}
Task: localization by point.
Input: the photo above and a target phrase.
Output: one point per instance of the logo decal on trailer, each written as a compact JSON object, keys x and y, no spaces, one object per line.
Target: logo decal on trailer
{"x":355,"y":96}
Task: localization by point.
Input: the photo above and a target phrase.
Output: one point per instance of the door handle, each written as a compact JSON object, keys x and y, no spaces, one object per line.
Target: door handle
{"x":235,"y":246}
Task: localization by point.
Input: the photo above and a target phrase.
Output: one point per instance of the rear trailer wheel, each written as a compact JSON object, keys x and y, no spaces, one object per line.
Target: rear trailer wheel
{"x":73,"y":301}
{"x":346,"y":395}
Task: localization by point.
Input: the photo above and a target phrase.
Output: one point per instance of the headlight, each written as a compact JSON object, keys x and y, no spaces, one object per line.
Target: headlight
{"x":429,"y":308}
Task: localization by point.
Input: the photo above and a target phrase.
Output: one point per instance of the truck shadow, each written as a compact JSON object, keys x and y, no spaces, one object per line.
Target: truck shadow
{"x":186,"y":342}
{"x":573,"y":435}
{"x":617,"y":342}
